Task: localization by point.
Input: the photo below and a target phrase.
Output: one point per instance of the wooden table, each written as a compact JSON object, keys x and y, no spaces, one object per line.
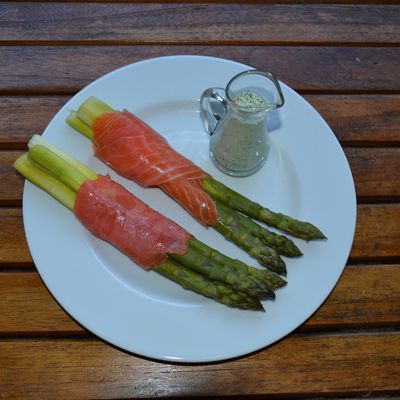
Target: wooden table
{"x":344,"y":59}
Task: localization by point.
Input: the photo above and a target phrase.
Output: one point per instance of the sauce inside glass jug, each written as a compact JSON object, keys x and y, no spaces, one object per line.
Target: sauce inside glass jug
{"x":242,"y":143}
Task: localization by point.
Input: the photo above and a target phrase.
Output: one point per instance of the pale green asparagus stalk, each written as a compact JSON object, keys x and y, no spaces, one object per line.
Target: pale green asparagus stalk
{"x":61,"y":192}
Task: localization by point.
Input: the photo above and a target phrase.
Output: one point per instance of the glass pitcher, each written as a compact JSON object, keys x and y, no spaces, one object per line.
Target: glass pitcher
{"x":236,"y":120}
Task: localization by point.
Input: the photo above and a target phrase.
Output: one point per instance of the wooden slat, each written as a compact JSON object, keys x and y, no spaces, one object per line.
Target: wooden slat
{"x":13,"y":246}
{"x":362,"y":119}
{"x":377,"y":232}
{"x":217,"y":23}
{"x":365,"y":364}
{"x":22,"y":117}
{"x":66,"y":69}
{"x":355,"y":119}
{"x":376,"y":173}
{"x":27,"y":307}
{"x":366,"y":296}
{"x":11,"y":183}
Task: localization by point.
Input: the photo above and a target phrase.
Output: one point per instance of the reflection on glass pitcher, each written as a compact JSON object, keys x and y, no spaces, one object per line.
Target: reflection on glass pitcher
{"x":235,"y":118}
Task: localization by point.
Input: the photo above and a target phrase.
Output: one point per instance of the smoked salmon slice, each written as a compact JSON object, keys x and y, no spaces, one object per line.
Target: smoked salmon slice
{"x":193,"y":198}
{"x":138,"y":152}
{"x":114,"y":214}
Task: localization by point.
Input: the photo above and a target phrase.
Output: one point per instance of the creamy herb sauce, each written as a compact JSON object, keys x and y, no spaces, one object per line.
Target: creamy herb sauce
{"x":240,"y":142}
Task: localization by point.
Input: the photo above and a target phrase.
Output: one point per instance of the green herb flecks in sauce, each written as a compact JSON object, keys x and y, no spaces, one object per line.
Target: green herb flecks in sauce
{"x":249,"y":99}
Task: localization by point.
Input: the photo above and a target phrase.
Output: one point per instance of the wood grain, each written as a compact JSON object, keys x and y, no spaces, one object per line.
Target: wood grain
{"x":366,"y":120}
{"x":365,"y":297}
{"x":27,"y":307}
{"x":13,"y":247}
{"x":66,"y":69}
{"x":11,"y":183}
{"x":21,"y":117}
{"x":377,"y":232}
{"x":364,"y":364}
{"x":211,"y":23}
{"x":376,"y":171}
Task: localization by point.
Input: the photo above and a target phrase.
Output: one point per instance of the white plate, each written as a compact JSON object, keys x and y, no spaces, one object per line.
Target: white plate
{"x":306,"y":176}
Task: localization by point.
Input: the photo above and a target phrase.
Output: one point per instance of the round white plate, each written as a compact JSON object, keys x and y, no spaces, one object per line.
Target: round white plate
{"x":306,"y":176}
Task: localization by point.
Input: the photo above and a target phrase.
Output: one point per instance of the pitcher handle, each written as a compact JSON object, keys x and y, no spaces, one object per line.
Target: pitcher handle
{"x":213,"y":107}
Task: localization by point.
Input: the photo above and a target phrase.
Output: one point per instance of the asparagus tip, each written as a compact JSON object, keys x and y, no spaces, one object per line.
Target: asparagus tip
{"x":313,"y":232}
{"x":292,"y":250}
{"x":260,"y":307}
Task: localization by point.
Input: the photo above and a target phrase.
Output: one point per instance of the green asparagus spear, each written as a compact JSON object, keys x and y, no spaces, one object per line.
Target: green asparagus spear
{"x":280,"y":243}
{"x":266,"y":256}
{"x":303,"y":230}
{"x":231,"y":229}
{"x":199,"y":283}
{"x":273,"y":280}
{"x":61,"y":178}
{"x":223,"y":272}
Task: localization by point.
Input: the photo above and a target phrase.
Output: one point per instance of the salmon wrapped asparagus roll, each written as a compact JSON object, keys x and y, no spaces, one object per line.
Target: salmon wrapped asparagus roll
{"x":136,"y":151}
{"x":150,"y":239}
